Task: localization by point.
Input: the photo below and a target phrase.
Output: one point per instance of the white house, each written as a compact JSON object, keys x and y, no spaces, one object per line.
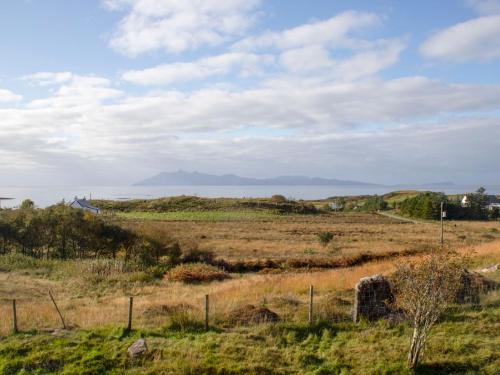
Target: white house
{"x":83,"y":204}
{"x":493,"y":206}
{"x":465,"y":201}
{"x":491,"y":202}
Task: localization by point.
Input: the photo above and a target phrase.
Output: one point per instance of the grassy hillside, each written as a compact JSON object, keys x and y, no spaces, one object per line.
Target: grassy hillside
{"x":196,"y":204}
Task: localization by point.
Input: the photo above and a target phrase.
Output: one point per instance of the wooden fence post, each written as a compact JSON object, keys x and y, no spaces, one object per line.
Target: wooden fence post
{"x":311,"y":292}
{"x":206,"y":312}
{"x":14,"y":316}
{"x":130,"y":307}
{"x":58,"y":311}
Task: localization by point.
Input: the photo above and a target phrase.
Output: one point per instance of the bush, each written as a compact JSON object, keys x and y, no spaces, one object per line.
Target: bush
{"x":325,"y":237}
{"x":375,"y":203}
{"x":278,"y":198}
{"x":424,"y":206}
{"x":196,"y":273}
{"x":197,"y":255}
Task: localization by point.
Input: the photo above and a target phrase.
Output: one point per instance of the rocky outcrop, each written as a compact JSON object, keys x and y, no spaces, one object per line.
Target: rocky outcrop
{"x":373,"y":298}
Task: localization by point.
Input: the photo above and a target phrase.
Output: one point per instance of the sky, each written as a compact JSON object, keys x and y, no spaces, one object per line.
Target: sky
{"x":102,"y":92}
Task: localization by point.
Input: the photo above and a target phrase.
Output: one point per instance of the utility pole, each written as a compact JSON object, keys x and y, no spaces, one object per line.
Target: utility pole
{"x":442,"y":218}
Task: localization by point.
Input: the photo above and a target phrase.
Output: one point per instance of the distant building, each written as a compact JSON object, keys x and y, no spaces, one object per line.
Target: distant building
{"x":465,"y":201}
{"x":335,"y":206}
{"x":493,"y":206}
{"x":83,"y":204}
{"x":491,"y":202}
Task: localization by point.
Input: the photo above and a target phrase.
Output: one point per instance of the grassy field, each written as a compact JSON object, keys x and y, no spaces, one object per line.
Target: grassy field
{"x":465,"y":341}
{"x":262,"y":235}
{"x":240,"y":215}
{"x":342,"y":348}
{"x":93,"y":296}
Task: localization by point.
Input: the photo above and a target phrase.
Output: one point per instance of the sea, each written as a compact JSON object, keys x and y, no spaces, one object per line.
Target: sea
{"x":44,"y":196}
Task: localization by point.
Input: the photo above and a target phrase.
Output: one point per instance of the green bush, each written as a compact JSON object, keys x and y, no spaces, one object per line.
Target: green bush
{"x":374,"y":203}
{"x":325,"y":237}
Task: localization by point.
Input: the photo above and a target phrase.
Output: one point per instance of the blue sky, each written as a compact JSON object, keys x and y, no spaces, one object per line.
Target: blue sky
{"x":111,"y":91}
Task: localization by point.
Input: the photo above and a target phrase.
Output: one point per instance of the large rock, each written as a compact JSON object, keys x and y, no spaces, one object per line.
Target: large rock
{"x":137,"y":349}
{"x":373,"y":298}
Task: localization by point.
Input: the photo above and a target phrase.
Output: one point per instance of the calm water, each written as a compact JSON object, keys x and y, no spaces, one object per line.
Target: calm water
{"x":46,"y":195}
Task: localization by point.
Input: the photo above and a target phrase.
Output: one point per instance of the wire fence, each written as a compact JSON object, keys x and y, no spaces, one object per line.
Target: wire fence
{"x":203,"y":312}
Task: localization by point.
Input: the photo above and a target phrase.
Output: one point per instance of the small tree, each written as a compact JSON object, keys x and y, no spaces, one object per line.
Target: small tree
{"x":424,"y":290}
{"x":325,"y":237}
{"x":27,"y":204}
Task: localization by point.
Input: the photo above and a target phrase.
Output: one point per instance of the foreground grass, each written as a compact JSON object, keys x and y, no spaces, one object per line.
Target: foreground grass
{"x":465,"y":342}
{"x":201,"y":215}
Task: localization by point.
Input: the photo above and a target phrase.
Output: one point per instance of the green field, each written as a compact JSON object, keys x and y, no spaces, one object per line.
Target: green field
{"x":264,"y":349}
{"x":241,"y":215}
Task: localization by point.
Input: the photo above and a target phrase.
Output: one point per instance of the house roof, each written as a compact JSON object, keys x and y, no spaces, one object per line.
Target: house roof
{"x":85,"y":204}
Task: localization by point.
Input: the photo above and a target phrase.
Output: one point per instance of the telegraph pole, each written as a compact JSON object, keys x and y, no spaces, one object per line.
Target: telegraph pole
{"x":442,"y":218}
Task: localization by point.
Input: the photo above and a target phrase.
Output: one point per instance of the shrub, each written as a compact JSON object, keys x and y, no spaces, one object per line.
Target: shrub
{"x":325,"y":237}
{"x":424,"y":290}
{"x":197,"y":255}
{"x":278,"y":198}
{"x":196,"y":273}
{"x":375,"y":203}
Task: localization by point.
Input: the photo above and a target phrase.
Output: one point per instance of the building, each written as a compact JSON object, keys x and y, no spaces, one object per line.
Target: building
{"x":491,"y":202}
{"x":493,"y":206}
{"x":83,"y":204}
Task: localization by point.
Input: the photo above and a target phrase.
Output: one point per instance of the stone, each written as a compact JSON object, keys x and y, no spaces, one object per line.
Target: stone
{"x":137,"y":349}
{"x":489,"y":269}
{"x":373,"y":298}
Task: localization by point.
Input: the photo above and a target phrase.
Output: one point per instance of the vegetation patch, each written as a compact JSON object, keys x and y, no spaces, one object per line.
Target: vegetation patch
{"x":250,"y":314}
{"x":192,"y":273}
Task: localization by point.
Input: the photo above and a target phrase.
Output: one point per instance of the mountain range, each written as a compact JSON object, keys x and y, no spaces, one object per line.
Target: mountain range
{"x":202,"y":179}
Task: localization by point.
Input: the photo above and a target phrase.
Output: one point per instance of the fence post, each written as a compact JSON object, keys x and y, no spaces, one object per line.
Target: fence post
{"x":130,"y":307}
{"x":14,"y":316}
{"x":311,"y":292}
{"x":58,"y":311}
{"x":206,"y":312}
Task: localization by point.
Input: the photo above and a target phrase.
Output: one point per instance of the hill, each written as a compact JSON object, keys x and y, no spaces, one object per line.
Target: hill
{"x":184,"y":178}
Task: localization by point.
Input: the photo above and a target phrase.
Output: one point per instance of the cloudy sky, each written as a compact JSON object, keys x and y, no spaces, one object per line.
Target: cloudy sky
{"x":112,"y":91}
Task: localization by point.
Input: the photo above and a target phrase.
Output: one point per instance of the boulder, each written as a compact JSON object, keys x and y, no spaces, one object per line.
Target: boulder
{"x":373,"y":298}
{"x":489,"y":269}
{"x":137,"y":349}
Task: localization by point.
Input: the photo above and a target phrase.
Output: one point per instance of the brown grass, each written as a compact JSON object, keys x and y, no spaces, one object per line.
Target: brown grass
{"x":284,"y":293}
{"x":296,"y":236}
{"x":193,"y":273}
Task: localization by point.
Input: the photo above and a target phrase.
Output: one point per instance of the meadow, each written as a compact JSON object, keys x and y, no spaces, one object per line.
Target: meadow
{"x":93,"y":296}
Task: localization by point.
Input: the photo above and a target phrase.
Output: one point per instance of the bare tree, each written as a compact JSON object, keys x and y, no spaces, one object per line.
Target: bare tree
{"x":424,"y":290}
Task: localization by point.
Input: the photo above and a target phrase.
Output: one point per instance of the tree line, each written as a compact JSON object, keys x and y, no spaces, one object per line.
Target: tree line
{"x":62,"y":232}
{"x":428,"y":206}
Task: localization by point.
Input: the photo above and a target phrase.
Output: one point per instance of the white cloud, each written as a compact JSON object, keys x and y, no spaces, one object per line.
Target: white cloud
{"x":74,"y":90}
{"x":48,"y":78}
{"x":333,"y":32}
{"x":485,"y":7}
{"x":179,"y":25}
{"x":477,"y":39}
{"x":301,"y":122}
{"x":165,"y":74}
{"x":7,"y":96}
{"x":363,"y":63}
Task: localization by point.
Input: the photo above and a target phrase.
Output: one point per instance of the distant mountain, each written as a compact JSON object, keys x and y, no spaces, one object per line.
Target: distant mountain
{"x":202,"y":179}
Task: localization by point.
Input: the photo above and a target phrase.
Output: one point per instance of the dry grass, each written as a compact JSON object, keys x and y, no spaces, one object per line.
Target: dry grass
{"x":196,"y":273}
{"x":297,"y":235}
{"x":284,"y":293}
